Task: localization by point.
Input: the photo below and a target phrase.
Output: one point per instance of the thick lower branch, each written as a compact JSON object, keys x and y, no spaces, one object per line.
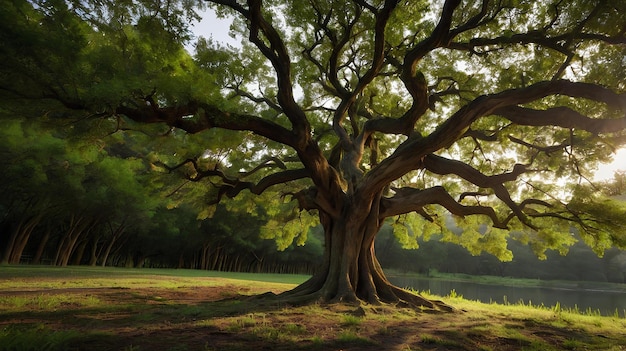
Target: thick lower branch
{"x":408,"y":200}
{"x":207,"y":117}
{"x":561,"y":117}
{"x":410,"y":154}
{"x":234,"y":187}
{"x":443,"y":166}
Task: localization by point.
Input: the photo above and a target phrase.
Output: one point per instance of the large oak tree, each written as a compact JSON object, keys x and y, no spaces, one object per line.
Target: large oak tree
{"x":491,"y":113}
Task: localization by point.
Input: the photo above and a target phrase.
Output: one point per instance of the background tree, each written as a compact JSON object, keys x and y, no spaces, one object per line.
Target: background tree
{"x":68,"y":193}
{"x":358,"y":112}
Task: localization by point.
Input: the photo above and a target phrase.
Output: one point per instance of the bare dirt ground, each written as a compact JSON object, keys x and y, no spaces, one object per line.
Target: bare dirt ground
{"x":221,"y":318}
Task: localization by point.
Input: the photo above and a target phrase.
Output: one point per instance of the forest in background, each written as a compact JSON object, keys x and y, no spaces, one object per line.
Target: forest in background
{"x":101,"y":201}
{"x":70,"y":200}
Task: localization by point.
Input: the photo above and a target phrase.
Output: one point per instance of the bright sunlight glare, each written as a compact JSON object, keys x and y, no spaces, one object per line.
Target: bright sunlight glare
{"x":607,"y":170}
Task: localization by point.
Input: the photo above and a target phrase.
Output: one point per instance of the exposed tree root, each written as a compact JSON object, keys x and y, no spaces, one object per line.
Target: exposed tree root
{"x":403,"y":299}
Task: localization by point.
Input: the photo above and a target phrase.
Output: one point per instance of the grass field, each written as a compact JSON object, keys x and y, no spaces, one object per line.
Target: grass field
{"x":86,"y":308}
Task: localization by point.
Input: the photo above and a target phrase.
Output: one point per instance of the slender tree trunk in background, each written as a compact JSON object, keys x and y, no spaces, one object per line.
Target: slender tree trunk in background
{"x":140,"y":262}
{"x":204,"y":260}
{"x":6,"y":255}
{"x":115,"y":235}
{"x":223,"y":262}
{"x":181,"y":261}
{"x":107,"y":252}
{"x":19,"y":238}
{"x":79,"y":252}
{"x":94,"y":252}
{"x":119,"y":245}
{"x":9,"y":248}
{"x":79,"y":226}
{"x":42,"y":245}
{"x":129,"y":262}
{"x":68,"y":250}
{"x":57,"y":254}
{"x":195,"y":261}
{"x":15,"y":239}
{"x":216,"y":256}
{"x":22,"y":239}
{"x":260,"y":265}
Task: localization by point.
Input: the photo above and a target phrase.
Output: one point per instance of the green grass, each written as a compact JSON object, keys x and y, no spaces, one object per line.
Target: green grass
{"x":96,"y":275}
{"x":47,"y":277}
{"x":146,"y":304}
{"x":47,"y":302}
{"x":352,"y":338}
{"x":590,"y":329}
{"x":350,"y":321}
{"x":36,"y":337}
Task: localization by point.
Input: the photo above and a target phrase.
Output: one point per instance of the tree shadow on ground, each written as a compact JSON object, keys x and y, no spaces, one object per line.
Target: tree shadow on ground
{"x":186,"y":319}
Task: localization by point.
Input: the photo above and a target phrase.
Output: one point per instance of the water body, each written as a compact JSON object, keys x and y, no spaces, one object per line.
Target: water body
{"x":604,"y":301}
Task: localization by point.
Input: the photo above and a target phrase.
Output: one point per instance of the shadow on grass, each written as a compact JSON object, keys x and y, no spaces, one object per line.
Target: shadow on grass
{"x":128,"y":320}
{"x":140,"y":323}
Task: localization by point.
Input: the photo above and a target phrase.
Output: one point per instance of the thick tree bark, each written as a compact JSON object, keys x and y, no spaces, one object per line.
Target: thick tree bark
{"x":350,"y":271}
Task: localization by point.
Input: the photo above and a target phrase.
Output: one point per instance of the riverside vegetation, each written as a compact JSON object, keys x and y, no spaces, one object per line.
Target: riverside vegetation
{"x":86,"y":308}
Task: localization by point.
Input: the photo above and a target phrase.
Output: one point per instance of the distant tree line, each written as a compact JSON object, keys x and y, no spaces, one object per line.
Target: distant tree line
{"x":580,"y":263}
{"x":86,"y":201}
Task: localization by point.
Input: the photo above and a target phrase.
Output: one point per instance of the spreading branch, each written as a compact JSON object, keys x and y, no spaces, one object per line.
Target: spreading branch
{"x":561,"y":117}
{"x":410,"y":154}
{"x":195,"y":117}
{"x":442,"y":166}
{"x":231,"y":186}
{"x":414,"y":200}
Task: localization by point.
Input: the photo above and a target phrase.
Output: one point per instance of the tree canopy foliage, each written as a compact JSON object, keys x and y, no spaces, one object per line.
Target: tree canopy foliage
{"x":353,"y":113}
{"x":67,"y":199}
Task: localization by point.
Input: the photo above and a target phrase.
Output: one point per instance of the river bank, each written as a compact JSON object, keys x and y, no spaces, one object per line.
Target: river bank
{"x":579,"y":296}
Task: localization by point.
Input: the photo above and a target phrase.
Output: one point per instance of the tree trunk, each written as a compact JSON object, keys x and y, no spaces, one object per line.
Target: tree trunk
{"x":78,"y":226}
{"x":79,"y":253}
{"x":204,"y":259}
{"x":19,"y":239}
{"x":6,"y":256}
{"x":115,"y":235}
{"x":42,"y":245}
{"x":181,"y":261}
{"x":94,"y":252}
{"x":140,"y":262}
{"x":60,"y":246}
{"x":350,"y":271}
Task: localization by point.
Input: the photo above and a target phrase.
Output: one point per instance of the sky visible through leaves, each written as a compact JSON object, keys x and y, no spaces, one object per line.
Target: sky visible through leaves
{"x":218,"y":29}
